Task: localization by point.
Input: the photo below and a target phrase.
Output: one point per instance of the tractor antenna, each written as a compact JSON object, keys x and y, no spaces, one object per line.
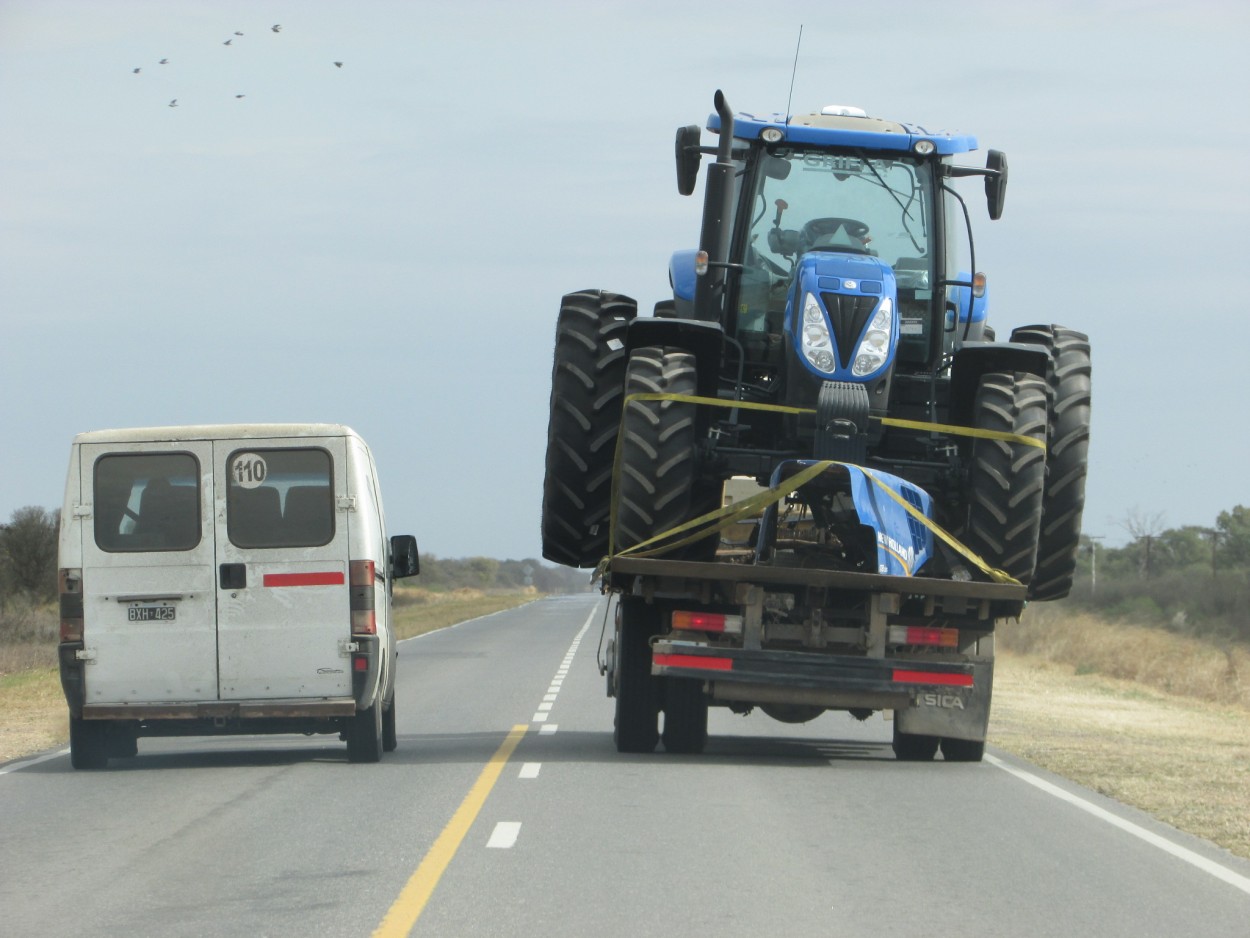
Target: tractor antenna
{"x":794,"y":71}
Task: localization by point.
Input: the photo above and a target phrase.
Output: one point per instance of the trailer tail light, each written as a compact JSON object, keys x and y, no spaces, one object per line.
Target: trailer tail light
{"x":923,"y":635}
{"x":360,"y":582}
{"x":684,"y":620}
{"x":69,"y":584}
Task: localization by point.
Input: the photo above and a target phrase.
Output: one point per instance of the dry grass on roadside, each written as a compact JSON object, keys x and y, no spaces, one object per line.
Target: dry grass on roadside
{"x":1183,"y":760}
{"x":32,"y":712}
{"x":418,"y":611}
{"x":1167,"y":661}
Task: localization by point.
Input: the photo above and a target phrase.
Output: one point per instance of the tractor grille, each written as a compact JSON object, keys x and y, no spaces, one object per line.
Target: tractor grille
{"x":849,"y":314}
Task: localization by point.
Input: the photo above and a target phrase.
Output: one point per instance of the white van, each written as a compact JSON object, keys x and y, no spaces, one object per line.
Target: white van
{"x":224,"y":580}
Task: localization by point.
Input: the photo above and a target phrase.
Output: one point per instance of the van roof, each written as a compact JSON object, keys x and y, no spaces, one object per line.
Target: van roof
{"x":216,"y":431}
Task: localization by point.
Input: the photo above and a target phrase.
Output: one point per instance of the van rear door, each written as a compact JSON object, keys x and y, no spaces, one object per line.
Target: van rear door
{"x":149,"y":600}
{"x":283,"y":612}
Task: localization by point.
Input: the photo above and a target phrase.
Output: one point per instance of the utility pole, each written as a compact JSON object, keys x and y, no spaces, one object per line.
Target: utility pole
{"x":1093,"y":561}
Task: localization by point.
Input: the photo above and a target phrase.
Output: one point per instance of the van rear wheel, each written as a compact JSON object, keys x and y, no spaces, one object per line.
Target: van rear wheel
{"x":389,"y":740}
{"x":88,"y":743}
{"x":364,"y":735}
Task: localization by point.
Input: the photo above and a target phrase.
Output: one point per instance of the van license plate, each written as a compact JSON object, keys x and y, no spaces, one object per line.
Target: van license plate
{"x":151,"y":613}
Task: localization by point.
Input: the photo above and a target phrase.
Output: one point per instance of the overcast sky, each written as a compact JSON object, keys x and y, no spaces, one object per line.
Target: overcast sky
{"x":384,"y":244}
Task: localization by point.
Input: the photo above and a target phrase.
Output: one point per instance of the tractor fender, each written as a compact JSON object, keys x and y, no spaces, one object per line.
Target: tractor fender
{"x":975,"y":359}
{"x":704,"y":340}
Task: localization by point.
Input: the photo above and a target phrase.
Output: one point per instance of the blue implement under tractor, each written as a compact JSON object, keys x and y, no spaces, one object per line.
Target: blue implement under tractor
{"x":831,"y":312}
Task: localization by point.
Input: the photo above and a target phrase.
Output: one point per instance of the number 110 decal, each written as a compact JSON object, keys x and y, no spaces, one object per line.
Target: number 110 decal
{"x":248,"y":470}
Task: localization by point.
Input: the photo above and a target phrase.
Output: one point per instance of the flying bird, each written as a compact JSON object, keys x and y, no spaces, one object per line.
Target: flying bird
{"x":163,"y":62}
{"x":237,"y":33}
{"x":338,"y":64}
{"x":276,"y":27}
{"x":227,"y":42}
{"x":136,"y":70}
{"x":173,"y":103}
{"x":239,"y":96}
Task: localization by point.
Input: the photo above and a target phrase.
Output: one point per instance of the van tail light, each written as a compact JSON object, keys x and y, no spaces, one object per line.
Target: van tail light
{"x":684,"y":620}
{"x":69,"y":584}
{"x":360,"y":582}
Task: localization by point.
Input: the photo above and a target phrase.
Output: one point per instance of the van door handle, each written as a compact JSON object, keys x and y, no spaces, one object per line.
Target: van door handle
{"x":233,"y":576}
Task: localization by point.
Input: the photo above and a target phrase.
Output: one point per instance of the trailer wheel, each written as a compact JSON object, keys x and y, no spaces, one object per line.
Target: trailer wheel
{"x":637,"y":692}
{"x":912,"y":747}
{"x":659,"y":486}
{"x":390,"y":741}
{"x":1006,"y":479}
{"x":587,"y":385}
{"x":1063,"y":501}
{"x":88,"y":743}
{"x":962,"y":750}
{"x":685,"y":715}
{"x":364,"y":735}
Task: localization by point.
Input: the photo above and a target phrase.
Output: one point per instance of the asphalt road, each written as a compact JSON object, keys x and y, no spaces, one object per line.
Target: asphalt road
{"x":507,"y":811}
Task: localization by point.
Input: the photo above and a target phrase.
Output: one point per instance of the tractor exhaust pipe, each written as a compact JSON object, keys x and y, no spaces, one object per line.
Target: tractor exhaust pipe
{"x":717,"y":211}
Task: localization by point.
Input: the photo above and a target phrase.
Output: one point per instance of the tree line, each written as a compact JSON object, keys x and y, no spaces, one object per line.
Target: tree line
{"x":1194,"y":579}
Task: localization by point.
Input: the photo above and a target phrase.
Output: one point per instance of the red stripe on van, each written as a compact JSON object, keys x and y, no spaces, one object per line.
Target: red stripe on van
{"x":303,"y":579}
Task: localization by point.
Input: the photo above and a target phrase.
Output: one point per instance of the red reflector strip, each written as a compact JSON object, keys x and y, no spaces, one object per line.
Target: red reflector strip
{"x":303,"y":579}
{"x":694,"y":661}
{"x":930,"y":677}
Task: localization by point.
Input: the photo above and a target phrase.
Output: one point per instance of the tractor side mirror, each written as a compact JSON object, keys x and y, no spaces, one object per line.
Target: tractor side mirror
{"x":688,"y":158}
{"x":996,"y":182}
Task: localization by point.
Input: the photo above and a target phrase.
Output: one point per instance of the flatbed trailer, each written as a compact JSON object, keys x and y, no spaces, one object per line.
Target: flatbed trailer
{"x":796,"y":641}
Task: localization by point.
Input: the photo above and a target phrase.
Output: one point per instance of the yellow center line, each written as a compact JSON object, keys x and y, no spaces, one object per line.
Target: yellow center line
{"x":407,"y":908}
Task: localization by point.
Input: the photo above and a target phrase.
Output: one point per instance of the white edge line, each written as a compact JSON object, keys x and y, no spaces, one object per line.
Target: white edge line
{"x":26,"y":763}
{"x":1236,"y":880}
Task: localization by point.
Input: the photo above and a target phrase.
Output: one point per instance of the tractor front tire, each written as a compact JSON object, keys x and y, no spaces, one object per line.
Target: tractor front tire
{"x":587,"y":385}
{"x":1006,"y":478}
{"x":1063,"y":500}
{"x":659,"y":486}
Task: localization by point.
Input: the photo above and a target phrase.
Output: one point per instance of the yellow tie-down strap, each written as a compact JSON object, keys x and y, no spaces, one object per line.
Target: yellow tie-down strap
{"x":720,"y":518}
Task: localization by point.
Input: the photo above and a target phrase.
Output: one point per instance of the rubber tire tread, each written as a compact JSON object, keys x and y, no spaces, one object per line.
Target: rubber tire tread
{"x":364,"y":735}
{"x":913,"y":747}
{"x":962,"y":750}
{"x":587,"y":386}
{"x":390,"y":739}
{"x":685,"y":716}
{"x":659,"y":486}
{"x":637,"y":692}
{"x":1067,"y":459}
{"x":88,"y":743}
{"x":1006,"y":479}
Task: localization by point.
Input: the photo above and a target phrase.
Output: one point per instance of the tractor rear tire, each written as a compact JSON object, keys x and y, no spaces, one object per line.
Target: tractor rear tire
{"x":1063,"y":501}
{"x":587,"y":386}
{"x":659,"y":486}
{"x":637,"y":691}
{"x":1006,"y":479}
{"x":685,"y":716}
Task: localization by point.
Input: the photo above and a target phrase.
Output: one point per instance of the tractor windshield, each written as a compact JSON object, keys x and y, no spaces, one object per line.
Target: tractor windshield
{"x":810,"y":200}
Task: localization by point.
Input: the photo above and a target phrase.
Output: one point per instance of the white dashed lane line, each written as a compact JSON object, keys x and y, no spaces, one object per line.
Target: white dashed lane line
{"x":504,"y":835}
{"x":530,"y":770}
{"x":549,"y":698}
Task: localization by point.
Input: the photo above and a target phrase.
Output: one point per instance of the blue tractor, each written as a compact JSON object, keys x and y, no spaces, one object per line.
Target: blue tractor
{"x":832,"y":312}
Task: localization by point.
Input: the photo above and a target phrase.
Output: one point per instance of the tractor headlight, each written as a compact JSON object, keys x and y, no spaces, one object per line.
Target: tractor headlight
{"x":874,"y":348}
{"x":814,"y":336}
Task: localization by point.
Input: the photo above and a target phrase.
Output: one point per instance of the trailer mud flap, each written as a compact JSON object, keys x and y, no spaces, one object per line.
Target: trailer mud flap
{"x":952,"y":712}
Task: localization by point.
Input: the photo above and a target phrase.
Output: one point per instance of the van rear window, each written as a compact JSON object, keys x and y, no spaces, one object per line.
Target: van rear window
{"x":147,"y":502}
{"x":280,"y":498}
